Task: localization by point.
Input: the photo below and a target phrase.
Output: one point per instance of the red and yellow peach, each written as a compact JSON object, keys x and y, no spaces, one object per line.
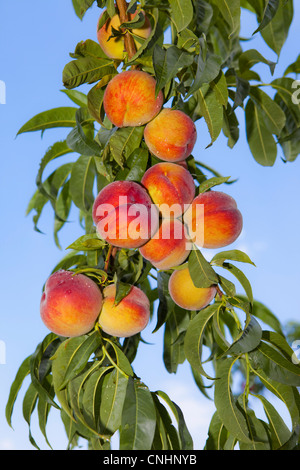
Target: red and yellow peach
{"x":213,"y":220}
{"x":186,"y":295}
{"x":169,"y":247}
{"x":70,"y":304}
{"x":171,"y":187}
{"x":171,"y":135}
{"x":114,"y":47}
{"x":129,"y":99}
{"x":124,"y":214}
{"x":129,"y":317}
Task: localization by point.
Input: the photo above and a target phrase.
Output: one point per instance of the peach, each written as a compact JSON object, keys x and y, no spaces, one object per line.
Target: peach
{"x":169,"y":247}
{"x":171,"y":136}
{"x":124,"y":214}
{"x":114,"y":47}
{"x":129,"y":317}
{"x":70,"y":304}
{"x":186,"y":295}
{"x":171,"y":187}
{"x":129,"y":99}
{"x":213,"y":220}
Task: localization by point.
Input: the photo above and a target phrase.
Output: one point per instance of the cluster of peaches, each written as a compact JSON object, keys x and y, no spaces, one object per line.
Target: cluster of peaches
{"x":161,"y":217}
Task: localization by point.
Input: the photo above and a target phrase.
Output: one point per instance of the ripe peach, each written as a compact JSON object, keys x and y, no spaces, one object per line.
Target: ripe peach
{"x":129,"y":99}
{"x":213,"y":220}
{"x":171,"y":136}
{"x":129,"y":317}
{"x":124,"y":214}
{"x":114,"y":47}
{"x":70,"y":304}
{"x":171,"y":188}
{"x":169,"y":247}
{"x":186,"y":295}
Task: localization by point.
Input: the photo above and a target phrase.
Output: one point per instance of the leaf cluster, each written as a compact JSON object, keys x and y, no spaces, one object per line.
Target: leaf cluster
{"x":203,"y":71}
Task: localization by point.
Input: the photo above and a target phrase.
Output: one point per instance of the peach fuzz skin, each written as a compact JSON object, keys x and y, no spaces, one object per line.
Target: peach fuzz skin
{"x":186,"y":295}
{"x":70,"y":304}
{"x":171,"y":136}
{"x":129,"y":99}
{"x":169,"y":247}
{"x":169,"y":185}
{"x":129,"y":317}
{"x":114,"y":47}
{"x":223,"y":222}
{"x":124,"y":214}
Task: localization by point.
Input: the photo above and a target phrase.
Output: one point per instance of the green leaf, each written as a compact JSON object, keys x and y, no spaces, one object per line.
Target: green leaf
{"x":77,"y":97}
{"x":138,"y":418}
{"x":83,"y":394}
{"x":200,"y":270}
{"x":264,"y":314}
{"x":260,"y":139}
{"x":40,"y":366}
{"x":203,"y":15}
{"x":230,"y":10}
{"x":207,"y":70}
{"x":124,"y":141}
{"x":241,"y":278}
{"x":81,"y":6}
{"x":212,"y":182}
{"x":112,"y":401}
{"x":249,"y":339}
{"x":275,"y":365}
{"x":212,"y":111}
{"x":217,"y":434}
{"x":232,"y":255}
{"x":95,"y":102}
{"x":79,"y":139}
{"x":56,"y":117}
{"x":43,"y":412}
{"x":279,"y":431}
{"x":135,"y":166}
{"x":294,"y":67}
{"x":194,"y":338}
{"x":168,"y":63}
{"x":60,"y":363}
{"x":80,"y":357}
{"x":287,"y":394}
{"x":87,"y":69}
{"x":276,"y":31}
{"x":182,"y":13}
{"x":29,"y":403}
{"x":175,"y":327}
{"x":22,"y":373}
{"x":184,"y":434}
{"x":57,"y":150}
{"x":252,"y":57}
{"x":269,"y":13}
{"x":87,"y":242}
{"x":219,"y":85}
{"x":86,"y":396}
{"x":230,"y":414}
{"x":82,"y":182}
{"x":230,"y":126}
{"x":166,"y":436}
{"x":274,"y":117}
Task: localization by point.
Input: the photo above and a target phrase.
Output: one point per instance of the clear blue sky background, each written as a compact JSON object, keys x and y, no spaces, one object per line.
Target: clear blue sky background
{"x":36,"y":38}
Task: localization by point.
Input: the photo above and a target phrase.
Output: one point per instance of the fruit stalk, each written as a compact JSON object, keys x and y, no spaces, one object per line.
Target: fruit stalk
{"x":128,"y":39}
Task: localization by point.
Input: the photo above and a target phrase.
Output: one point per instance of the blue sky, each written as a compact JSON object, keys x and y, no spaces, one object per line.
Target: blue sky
{"x":36,"y":38}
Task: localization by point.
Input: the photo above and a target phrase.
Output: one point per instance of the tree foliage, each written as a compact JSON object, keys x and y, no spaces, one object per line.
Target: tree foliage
{"x":201,"y":64}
